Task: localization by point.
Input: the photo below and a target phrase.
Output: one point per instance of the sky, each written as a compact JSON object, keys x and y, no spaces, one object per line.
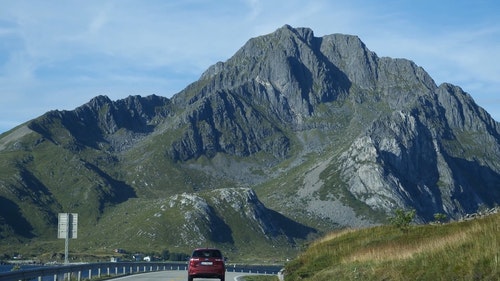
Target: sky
{"x":58,"y":55}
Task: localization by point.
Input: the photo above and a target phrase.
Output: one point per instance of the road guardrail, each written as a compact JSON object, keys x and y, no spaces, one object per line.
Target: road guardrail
{"x":83,"y":271}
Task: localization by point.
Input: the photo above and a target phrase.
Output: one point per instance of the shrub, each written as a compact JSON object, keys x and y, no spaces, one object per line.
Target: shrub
{"x":402,"y":219}
{"x":440,"y":218}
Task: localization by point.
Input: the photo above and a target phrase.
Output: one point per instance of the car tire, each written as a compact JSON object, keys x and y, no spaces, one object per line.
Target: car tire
{"x":222,"y":278}
{"x":190,"y":278}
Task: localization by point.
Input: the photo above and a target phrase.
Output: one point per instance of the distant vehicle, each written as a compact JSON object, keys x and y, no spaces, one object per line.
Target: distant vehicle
{"x":206,"y":263}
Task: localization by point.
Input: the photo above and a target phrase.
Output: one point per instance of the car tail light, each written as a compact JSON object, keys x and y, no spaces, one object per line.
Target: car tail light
{"x":193,"y":262}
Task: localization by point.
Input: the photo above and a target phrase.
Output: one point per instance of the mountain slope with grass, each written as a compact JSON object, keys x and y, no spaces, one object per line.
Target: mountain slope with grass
{"x":467,"y":250}
{"x":321,"y":130}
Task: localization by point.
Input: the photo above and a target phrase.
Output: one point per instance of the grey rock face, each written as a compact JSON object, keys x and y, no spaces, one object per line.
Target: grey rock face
{"x":408,"y":147}
{"x":420,"y":159}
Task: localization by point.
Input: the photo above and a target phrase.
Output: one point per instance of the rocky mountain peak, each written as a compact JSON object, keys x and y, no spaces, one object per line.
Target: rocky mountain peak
{"x":323,"y":130}
{"x":293,"y":76}
{"x":290,"y":72}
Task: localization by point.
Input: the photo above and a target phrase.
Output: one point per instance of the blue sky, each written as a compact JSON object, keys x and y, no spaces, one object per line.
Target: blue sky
{"x":61,"y":54}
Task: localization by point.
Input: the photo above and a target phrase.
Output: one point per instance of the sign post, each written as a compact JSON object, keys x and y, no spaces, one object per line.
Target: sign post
{"x":67,"y":229}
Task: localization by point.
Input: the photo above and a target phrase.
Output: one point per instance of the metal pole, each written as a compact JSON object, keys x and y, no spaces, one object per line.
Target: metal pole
{"x":66,"y":242}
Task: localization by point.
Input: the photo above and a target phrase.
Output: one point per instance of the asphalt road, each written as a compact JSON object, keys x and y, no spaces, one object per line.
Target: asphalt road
{"x":175,"y":275}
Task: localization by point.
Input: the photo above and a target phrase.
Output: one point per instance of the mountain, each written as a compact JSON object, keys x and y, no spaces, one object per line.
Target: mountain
{"x":292,"y":136}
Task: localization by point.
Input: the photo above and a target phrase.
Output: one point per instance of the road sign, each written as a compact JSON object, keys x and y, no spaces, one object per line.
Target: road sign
{"x":67,"y":226}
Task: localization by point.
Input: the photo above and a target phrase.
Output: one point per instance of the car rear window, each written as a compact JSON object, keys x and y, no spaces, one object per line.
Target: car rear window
{"x":207,"y":254}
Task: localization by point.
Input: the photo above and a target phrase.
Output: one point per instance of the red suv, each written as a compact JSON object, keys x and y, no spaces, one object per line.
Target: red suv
{"x":206,"y":263}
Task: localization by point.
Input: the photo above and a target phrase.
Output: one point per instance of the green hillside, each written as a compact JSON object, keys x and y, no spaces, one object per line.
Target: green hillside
{"x":468,"y":250}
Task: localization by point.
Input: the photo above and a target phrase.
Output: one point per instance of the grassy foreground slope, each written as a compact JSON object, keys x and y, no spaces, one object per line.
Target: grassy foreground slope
{"x":466,"y":250}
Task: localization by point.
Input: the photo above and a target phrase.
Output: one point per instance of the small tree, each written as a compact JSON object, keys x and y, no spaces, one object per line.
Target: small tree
{"x":440,"y":218}
{"x":402,"y":219}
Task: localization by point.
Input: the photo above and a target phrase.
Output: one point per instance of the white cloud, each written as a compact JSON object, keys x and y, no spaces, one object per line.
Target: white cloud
{"x":60,"y":54}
